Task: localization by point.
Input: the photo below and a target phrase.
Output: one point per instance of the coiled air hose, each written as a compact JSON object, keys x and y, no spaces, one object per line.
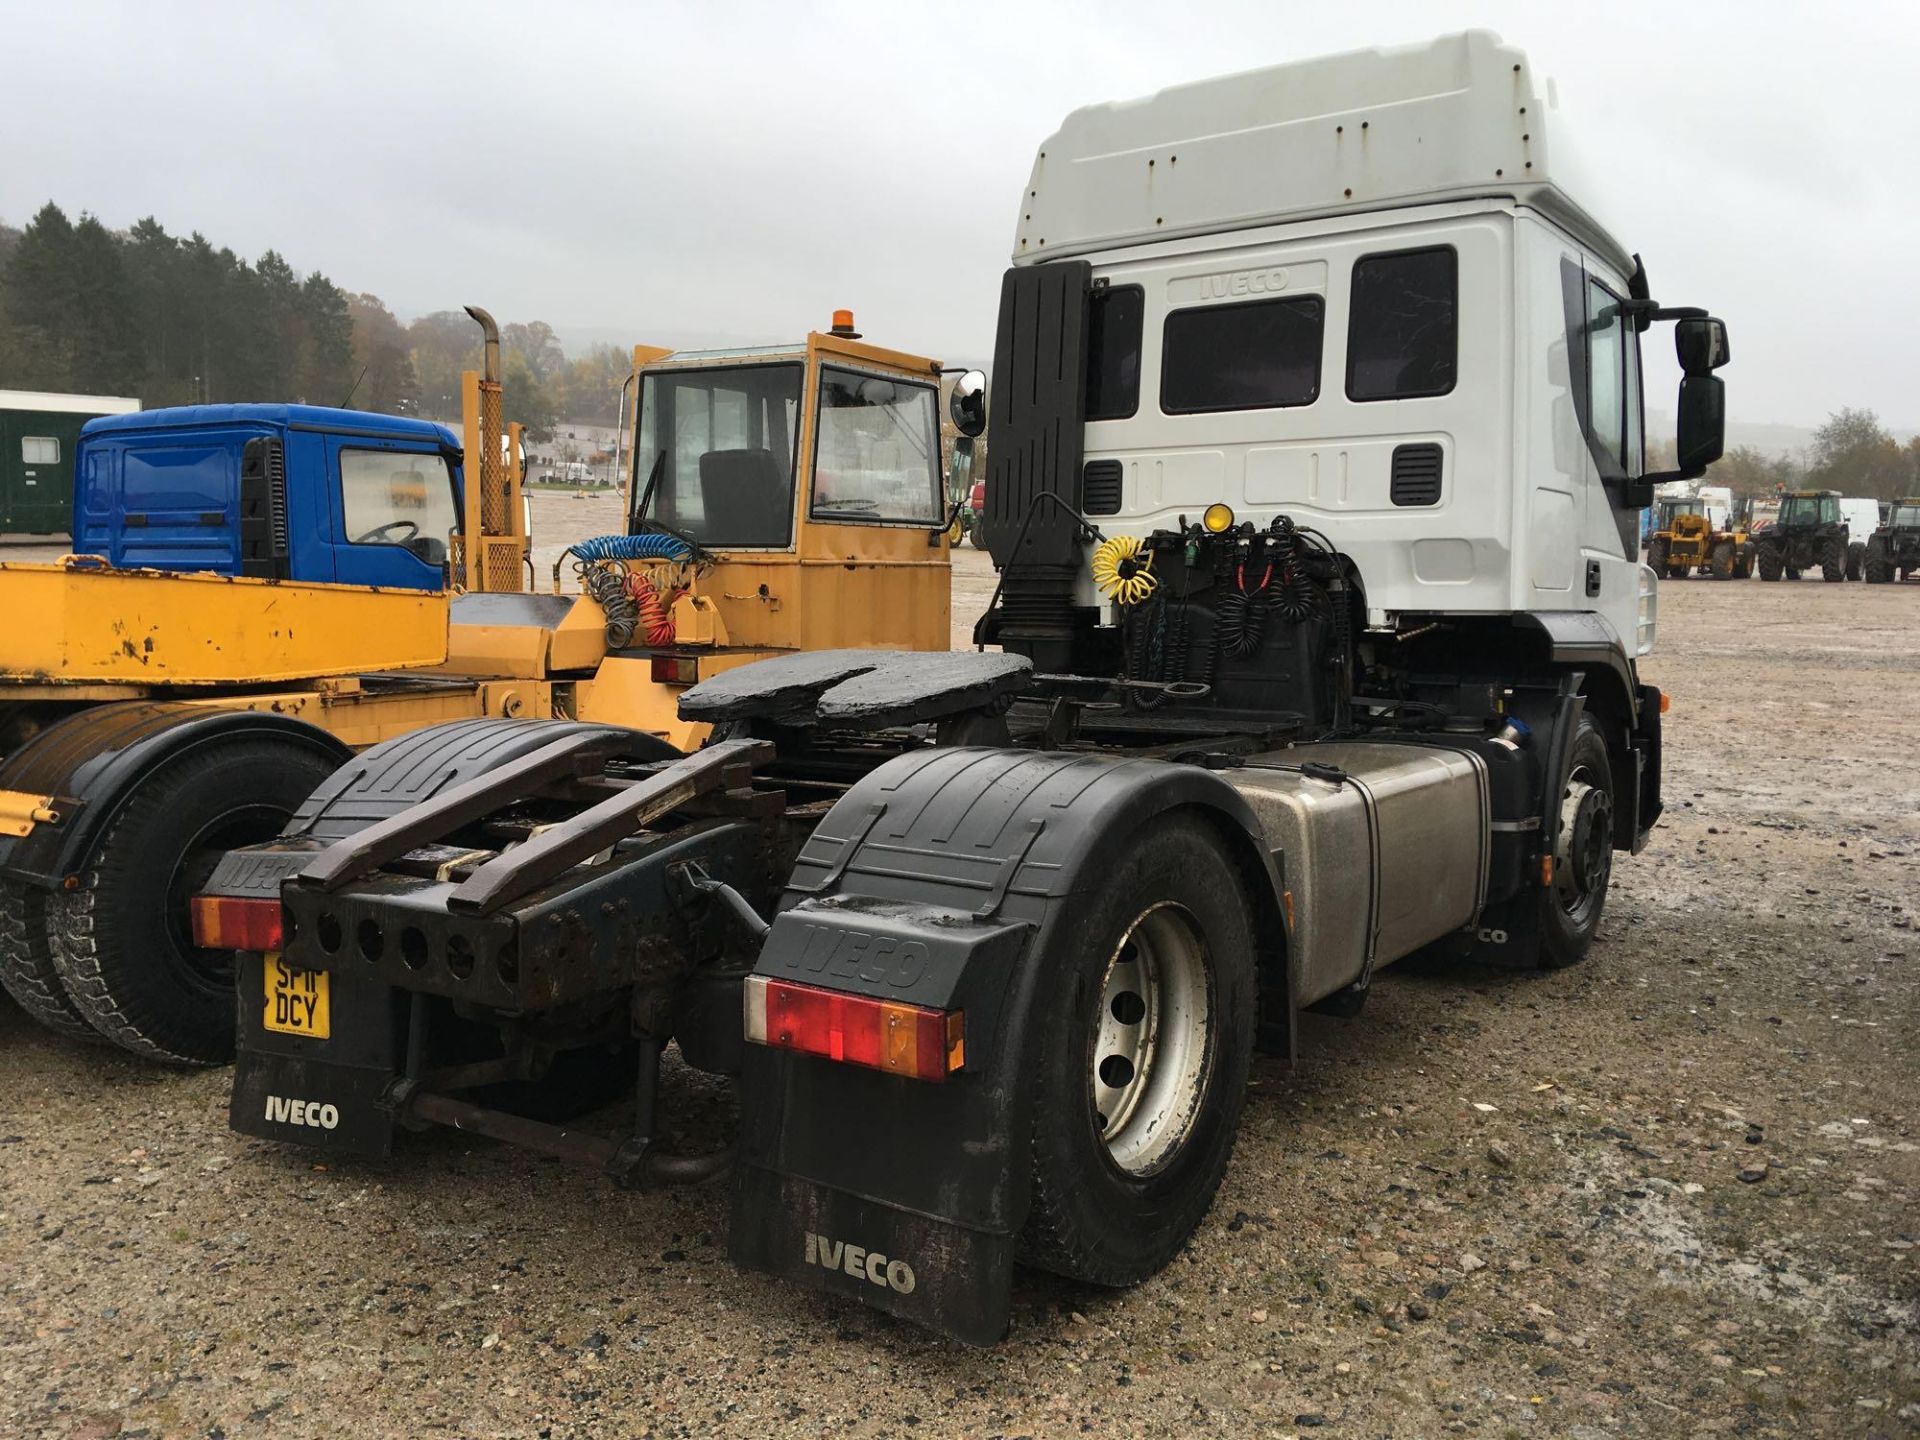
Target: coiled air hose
{"x":655,"y":606}
{"x":606,"y":584}
{"x":1123,"y":569}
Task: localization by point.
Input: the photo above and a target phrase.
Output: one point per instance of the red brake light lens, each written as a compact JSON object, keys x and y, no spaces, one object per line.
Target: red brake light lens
{"x":900,"y":1039}
{"x":229,"y":922}
{"x":676,"y":669}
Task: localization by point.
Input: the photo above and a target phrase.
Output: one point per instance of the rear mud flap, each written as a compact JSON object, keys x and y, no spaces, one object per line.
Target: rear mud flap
{"x":301,"y":1101}
{"x":324,"y":1094}
{"x":933,"y":1272}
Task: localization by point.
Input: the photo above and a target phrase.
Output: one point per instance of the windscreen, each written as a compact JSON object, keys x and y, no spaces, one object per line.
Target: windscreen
{"x":1907,"y":516}
{"x":714,"y":459}
{"x":877,"y":456}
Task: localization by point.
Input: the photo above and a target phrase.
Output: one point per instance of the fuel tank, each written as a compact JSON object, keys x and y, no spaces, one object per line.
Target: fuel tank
{"x":1382,"y":847}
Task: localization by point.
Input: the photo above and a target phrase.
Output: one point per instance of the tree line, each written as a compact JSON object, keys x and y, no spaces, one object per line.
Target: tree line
{"x":176,"y":320}
{"x":1852,"y":453}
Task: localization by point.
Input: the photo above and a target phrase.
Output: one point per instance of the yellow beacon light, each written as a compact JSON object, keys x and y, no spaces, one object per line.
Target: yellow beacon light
{"x":1218,"y":519}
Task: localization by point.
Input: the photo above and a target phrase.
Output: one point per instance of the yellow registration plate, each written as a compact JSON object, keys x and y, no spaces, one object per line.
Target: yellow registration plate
{"x":297,"y":1000}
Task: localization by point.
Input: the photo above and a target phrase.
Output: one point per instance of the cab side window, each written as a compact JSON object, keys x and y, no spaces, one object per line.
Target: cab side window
{"x":1403,"y":324}
{"x":1607,"y":378}
{"x":397,"y":497}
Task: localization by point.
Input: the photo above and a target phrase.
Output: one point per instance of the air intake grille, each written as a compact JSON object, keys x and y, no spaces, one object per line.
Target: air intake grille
{"x":1416,"y":475}
{"x":1100,"y":487}
{"x":277,"y":499}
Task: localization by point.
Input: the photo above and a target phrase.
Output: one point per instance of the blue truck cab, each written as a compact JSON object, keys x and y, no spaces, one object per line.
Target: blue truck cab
{"x":289,"y":492}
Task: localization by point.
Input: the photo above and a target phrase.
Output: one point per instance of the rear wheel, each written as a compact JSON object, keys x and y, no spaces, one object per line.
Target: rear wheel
{"x":1583,"y":854}
{"x":1879,"y":569}
{"x":1856,"y":557}
{"x":121,"y":940}
{"x":1723,"y":560}
{"x":1657,"y":557}
{"x":27,"y":971}
{"x":1141,"y":1062}
{"x":1770,"y":566}
{"x":1833,"y":562}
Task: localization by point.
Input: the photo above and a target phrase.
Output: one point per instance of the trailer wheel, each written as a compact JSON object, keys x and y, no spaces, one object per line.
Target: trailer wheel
{"x":121,"y":939}
{"x":1583,"y":855}
{"x":27,"y":971}
{"x":1141,"y":1063}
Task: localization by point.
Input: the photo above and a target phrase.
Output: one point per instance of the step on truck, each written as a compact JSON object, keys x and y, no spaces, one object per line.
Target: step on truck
{"x":1314,"y":491}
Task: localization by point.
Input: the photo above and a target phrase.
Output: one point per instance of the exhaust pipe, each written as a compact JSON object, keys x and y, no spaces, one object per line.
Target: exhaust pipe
{"x":490,"y":366}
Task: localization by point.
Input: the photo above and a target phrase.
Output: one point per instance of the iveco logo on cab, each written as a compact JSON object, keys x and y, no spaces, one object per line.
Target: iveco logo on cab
{"x":301,"y":1112}
{"x":868,"y":1265}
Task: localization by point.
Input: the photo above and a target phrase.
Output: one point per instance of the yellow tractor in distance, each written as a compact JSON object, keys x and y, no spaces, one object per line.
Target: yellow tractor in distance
{"x":316,"y":581}
{"x":1687,"y":539}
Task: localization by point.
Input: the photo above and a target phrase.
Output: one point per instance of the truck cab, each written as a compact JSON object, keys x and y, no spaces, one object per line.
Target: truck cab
{"x":290,"y":492}
{"x":1362,"y":293}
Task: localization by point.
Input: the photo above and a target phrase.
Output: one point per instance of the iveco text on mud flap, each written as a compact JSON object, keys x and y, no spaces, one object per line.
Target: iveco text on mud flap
{"x":1318,"y":619}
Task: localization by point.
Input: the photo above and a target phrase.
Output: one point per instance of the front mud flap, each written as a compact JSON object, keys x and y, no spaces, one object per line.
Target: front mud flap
{"x":938,"y":1274}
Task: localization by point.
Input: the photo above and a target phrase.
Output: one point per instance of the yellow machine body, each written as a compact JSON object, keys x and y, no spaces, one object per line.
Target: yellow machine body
{"x":835,"y":585}
{"x":367,"y":664}
{"x":91,"y":625}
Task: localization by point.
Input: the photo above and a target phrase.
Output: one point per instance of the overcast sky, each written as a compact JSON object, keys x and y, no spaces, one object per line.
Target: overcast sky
{"x":721,"y":171}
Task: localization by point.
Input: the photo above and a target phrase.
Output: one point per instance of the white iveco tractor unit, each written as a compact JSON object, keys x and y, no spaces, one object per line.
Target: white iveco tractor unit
{"x":1314,"y":489}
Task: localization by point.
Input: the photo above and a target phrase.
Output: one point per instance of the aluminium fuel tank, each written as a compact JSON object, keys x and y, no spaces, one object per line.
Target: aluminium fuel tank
{"x":1382,"y":846}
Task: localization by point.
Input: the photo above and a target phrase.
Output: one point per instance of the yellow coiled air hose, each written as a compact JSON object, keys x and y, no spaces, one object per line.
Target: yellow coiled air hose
{"x":1123,"y":570}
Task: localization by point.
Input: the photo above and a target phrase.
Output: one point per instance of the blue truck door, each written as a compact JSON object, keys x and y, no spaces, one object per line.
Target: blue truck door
{"x":393,"y":511}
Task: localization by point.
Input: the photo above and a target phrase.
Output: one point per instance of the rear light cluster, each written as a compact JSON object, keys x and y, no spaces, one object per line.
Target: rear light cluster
{"x":676,"y":669}
{"x":880,"y":1034}
{"x":231,"y":922}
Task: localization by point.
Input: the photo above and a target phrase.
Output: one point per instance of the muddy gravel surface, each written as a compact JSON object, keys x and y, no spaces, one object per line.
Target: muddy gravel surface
{"x":1669,"y":1192}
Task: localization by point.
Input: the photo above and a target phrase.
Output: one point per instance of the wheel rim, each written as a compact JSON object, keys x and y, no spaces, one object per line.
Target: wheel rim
{"x":1150,"y":1057}
{"x":211,"y":970}
{"x":1583,"y":858}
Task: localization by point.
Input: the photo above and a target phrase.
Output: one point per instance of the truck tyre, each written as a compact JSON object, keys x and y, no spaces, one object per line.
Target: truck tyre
{"x":1657,"y":557}
{"x":1140,"y":1062}
{"x":1856,"y":554}
{"x":121,"y":939}
{"x":1879,"y":568}
{"x":1833,"y":562}
{"x":1723,"y":560}
{"x":1770,"y":566}
{"x":27,"y":971}
{"x":1583,"y":855}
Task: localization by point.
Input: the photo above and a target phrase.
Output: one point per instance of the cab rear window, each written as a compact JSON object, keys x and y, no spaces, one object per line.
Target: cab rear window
{"x":1262,"y":355}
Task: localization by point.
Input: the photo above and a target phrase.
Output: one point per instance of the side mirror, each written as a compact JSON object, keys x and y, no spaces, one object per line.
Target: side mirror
{"x":1702,"y":423}
{"x":1700,"y":344}
{"x":968,"y":403}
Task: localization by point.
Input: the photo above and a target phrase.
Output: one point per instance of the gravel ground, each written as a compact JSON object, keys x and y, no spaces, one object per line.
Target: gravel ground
{"x":1669,"y":1192}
